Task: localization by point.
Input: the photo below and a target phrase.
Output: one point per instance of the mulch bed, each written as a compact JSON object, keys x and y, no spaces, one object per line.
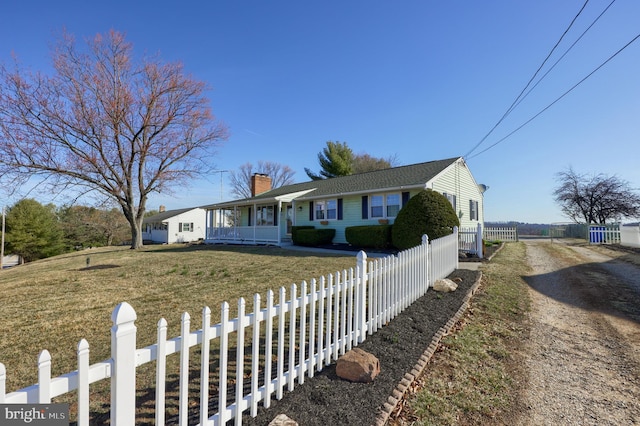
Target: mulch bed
{"x":326,"y":399}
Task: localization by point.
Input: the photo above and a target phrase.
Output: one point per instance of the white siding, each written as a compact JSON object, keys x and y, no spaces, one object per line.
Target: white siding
{"x":195,"y":216}
{"x":174,"y":233}
{"x":457,"y":180}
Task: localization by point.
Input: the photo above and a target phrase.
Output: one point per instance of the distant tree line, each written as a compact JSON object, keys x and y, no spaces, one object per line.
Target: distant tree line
{"x":35,"y":231}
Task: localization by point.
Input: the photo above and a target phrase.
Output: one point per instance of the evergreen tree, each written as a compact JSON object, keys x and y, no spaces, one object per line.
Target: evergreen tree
{"x":336,"y":159}
{"x":33,"y":231}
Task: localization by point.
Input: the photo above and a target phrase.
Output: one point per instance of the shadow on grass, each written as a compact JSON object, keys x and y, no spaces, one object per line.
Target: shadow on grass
{"x":98,"y":267}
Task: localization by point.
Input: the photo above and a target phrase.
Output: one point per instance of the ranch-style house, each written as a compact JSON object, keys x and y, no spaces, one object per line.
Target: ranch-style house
{"x":360,"y":199}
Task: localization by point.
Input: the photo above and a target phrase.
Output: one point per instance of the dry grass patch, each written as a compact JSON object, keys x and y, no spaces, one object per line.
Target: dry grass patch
{"x":53,"y":303}
{"x":475,"y":376}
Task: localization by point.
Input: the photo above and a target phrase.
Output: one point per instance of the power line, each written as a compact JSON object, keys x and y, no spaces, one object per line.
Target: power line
{"x":565,"y":53}
{"x":508,"y":111}
{"x":557,"y":99}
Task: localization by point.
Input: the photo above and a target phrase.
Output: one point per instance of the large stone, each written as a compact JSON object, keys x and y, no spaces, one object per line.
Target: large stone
{"x":445,"y":285}
{"x":283,"y":420}
{"x":358,"y":366}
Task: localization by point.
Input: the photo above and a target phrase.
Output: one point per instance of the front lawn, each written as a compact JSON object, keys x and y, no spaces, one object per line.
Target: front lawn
{"x":53,"y":303}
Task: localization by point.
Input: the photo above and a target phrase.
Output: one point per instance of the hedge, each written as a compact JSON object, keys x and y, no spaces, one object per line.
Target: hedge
{"x":313,"y":237}
{"x":373,"y":236}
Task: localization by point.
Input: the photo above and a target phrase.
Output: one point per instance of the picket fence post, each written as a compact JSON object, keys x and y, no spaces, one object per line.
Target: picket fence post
{"x":361,"y":284}
{"x":123,"y":370}
{"x":3,"y":382}
{"x":427,"y":258}
{"x":479,"y":246}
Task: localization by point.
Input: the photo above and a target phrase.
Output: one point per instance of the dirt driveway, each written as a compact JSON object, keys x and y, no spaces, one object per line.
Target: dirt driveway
{"x":583,"y":355}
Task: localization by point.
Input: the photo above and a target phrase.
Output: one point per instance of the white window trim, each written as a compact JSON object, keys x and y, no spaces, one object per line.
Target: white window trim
{"x":384,"y":205}
{"x":326,"y":210}
{"x":258,"y":211}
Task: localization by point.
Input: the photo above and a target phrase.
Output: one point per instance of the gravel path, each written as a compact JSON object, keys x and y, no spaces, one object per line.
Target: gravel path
{"x":583,"y":354}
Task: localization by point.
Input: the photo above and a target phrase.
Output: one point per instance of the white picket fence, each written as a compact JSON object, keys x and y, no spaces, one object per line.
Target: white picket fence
{"x":470,"y":240}
{"x":309,"y":327}
{"x":604,"y":234}
{"x":501,"y":234}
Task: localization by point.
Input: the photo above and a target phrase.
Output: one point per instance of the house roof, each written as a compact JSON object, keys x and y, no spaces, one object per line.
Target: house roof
{"x":160,"y":217}
{"x":411,"y":176}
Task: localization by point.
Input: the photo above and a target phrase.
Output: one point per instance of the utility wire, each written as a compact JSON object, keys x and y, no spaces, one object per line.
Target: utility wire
{"x":557,"y":99}
{"x":529,"y":83}
{"x":565,"y":53}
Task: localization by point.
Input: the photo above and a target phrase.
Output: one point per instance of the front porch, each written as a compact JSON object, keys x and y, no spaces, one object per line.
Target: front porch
{"x":257,"y":224}
{"x":246,"y":235}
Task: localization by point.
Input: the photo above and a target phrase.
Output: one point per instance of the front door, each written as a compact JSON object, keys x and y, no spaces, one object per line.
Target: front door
{"x":289,"y":219}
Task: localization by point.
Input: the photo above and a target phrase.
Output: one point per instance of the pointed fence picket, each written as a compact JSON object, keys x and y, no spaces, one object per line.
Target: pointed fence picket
{"x":309,"y":329}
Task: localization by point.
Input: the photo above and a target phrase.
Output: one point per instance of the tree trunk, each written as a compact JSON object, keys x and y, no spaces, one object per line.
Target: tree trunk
{"x":136,"y":234}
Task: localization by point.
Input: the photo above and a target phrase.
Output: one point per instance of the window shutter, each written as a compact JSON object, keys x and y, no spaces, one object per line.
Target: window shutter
{"x":311,"y":210}
{"x":405,"y":198}
{"x":471,"y":210}
{"x":180,"y":227}
{"x":249,"y":217}
{"x":191,"y":227}
{"x":276,"y":213}
{"x":365,"y":207}
{"x":339,"y":208}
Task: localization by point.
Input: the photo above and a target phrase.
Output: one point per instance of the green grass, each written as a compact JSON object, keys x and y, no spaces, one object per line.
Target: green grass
{"x":53,"y":303}
{"x":475,"y":376}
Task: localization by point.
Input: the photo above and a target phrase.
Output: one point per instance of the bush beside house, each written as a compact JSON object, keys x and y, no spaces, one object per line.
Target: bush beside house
{"x":427,"y":212}
{"x":309,"y":236}
{"x":372,"y":236}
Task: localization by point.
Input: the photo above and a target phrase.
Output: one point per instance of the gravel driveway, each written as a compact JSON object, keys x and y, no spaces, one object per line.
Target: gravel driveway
{"x":583,"y":355}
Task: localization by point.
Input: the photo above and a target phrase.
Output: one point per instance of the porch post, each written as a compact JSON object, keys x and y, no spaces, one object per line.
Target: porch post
{"x":280,"y":222}
{"x":254,"y":212}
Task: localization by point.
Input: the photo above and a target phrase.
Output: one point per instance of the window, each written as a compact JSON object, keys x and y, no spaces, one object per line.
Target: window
{"x":393,"y":205}
{"x":377,"y":206}
{"x":264,"y":216}
{"x":473,"y":210}
{"x":451,"y":198}
{"x":185,"y":227}
{"x":384,"y":206}
{"x":326,"y":209}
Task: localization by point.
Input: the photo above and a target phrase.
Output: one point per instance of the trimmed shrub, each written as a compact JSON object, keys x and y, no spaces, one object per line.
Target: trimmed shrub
{"x":294,"y":232}
{"x":374,"y":236}
{"x":314,"y":237}
{"x":427,"y":212}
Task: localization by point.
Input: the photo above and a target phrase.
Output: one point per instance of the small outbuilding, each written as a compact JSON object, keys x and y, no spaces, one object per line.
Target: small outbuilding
{"x":175,"y":226}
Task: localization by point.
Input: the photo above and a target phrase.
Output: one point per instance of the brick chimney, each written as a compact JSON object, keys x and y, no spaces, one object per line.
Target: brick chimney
{"x":260,"y":183}
{"x":162,"y":209}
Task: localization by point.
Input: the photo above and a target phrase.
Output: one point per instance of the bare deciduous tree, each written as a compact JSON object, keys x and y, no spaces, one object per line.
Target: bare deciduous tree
{"x":104,"y":122}
{"x":366,"y":163}
{"x":240,"y":181}
{"x":595,"y":199}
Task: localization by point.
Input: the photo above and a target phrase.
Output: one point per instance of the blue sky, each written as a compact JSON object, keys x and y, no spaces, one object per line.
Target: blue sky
{"x":418,"y":80}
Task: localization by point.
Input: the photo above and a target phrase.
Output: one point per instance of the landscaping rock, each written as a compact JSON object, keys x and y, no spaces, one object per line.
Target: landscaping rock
{"x":446,"y":285}
{"x":358,"y":366}
{"x":283,"y":420}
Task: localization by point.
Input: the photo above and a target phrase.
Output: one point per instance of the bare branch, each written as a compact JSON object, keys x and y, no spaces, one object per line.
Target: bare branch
{"x":106,"y":122}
